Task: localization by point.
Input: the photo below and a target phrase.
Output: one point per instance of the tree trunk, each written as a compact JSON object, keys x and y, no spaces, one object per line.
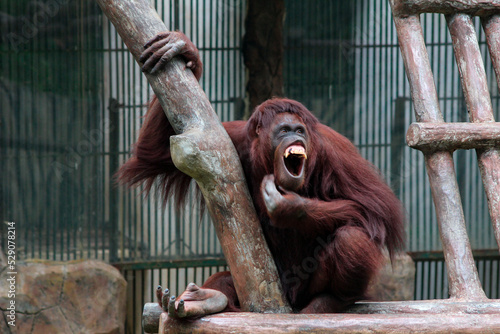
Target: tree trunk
{"x":263,"y":50}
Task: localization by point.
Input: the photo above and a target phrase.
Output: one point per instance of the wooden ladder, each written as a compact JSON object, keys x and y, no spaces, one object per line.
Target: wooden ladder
{"x":437,"y":140}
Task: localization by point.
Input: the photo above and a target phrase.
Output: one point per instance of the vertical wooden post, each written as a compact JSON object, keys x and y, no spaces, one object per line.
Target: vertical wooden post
{"x":263,"y":50}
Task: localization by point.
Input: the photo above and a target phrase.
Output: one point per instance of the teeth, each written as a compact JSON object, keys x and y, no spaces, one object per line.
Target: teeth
{"x":297,"y":150}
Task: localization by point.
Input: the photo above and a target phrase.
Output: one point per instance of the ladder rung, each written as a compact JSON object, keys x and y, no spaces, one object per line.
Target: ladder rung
{"x":453,"y":136}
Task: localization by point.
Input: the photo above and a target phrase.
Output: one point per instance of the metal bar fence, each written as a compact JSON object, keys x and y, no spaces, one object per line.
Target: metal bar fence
{"x":52,"y":130}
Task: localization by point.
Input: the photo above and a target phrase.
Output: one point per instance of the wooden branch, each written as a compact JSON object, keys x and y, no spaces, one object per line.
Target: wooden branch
{"x":411,"y":309}
{"x":453,"y":136}
{"x":253,"y":323}
{"x":204,"y":151}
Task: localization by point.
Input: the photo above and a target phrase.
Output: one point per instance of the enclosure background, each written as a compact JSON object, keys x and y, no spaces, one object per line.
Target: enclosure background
{"x":71,"y":100}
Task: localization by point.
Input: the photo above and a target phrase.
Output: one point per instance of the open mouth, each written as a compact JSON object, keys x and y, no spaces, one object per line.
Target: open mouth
{"x":294,"y":159}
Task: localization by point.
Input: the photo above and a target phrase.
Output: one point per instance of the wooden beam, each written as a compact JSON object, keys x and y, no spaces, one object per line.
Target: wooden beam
{"x":255,"y":323}
{"x":394,"y":310}
{"x":453,"y":136}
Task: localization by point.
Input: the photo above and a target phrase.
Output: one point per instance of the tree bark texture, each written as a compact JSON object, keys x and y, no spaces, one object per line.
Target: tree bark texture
{"x":453,"y":136}
{"x":371,"y":314}
{"x":203,"y":150}
{"x":337,"y":323}
{"x":263,"y":50}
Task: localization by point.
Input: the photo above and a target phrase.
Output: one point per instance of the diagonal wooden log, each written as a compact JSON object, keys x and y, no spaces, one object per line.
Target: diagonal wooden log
{"x":203,"y":150}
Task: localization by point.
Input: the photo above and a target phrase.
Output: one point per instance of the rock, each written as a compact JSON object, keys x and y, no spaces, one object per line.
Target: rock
{"x":65,"y":297}
{"x":395,"y":282}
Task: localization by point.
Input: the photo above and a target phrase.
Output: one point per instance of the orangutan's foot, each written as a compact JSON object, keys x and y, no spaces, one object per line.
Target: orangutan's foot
{"x":193,"y":302}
